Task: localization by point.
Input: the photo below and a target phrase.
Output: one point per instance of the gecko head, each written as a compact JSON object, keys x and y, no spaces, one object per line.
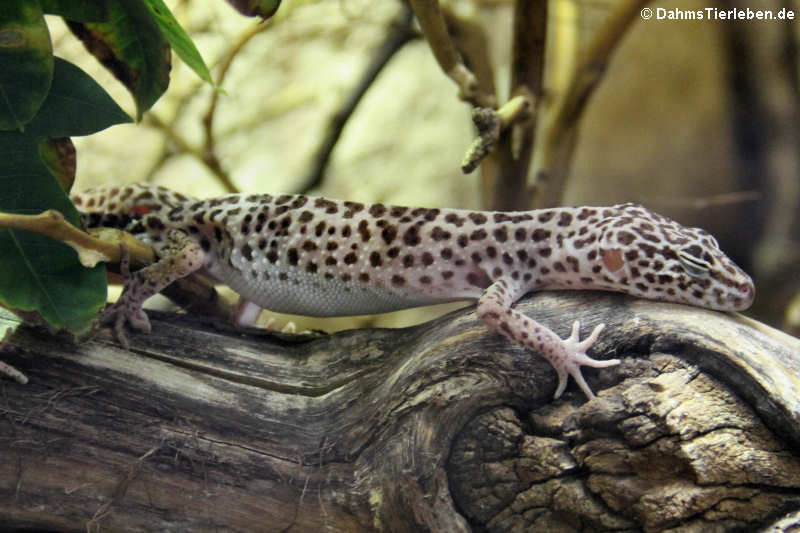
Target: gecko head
{"x":648,"y":255}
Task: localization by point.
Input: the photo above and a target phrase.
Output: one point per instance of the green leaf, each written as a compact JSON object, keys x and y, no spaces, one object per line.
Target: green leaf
{"x":80,"y":10}
{"x":76,"y":105}
{"x":26,"y":62}
{"x":132,"y":47}
{"x":38,"y":274}
{"x":180,"y":41}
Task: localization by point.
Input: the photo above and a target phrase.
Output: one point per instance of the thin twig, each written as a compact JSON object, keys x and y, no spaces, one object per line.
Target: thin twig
{"x":91,"y":249}
{"x":434,"y":28}
{"x":471,"y":42}
{"x":555,"y":158}
{"x":208,"y":154}
{"x":399,"y":34}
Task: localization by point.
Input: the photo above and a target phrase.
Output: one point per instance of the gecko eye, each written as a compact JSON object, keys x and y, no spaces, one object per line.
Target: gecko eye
{"x":694,"y":266}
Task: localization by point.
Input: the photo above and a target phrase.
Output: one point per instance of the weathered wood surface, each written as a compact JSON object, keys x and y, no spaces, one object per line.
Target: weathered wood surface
{"x":440,"y":427}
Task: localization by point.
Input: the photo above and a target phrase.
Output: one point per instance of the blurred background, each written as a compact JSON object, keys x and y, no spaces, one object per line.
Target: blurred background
{"x":696,"y":119}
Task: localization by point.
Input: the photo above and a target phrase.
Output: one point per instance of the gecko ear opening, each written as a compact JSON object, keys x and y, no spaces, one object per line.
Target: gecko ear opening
{"x":612,"y":256}
{"x":613,"y":261}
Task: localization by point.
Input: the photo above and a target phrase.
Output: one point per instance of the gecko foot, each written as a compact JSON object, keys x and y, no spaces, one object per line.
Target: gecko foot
{"x":127,"y":309}
{"x":575,"y":357}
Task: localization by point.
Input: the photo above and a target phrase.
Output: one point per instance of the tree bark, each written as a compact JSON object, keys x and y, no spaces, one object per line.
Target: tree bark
{"x":442,"y":427}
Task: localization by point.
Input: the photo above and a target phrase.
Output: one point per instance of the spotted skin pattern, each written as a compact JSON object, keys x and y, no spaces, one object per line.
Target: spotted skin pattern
{"x":321,"y":257}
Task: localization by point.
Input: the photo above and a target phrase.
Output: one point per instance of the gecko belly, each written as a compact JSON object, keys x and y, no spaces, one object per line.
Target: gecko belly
{"x":295,"y":291}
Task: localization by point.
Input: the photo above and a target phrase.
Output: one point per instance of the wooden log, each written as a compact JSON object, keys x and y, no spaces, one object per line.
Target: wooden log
{"x":442,"y":427}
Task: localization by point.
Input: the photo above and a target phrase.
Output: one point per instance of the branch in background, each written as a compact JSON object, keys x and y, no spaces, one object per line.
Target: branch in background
{"x":473,"y":45}
{"x":208,"y":155}
{"x":509,"y":190}
{"x":470,"y":41}
{"x":491,"y":124}
{"x":433,"y":26}
{"x":561,"y":133}
{"x":208,"y":158}
{"x":399,"y":34}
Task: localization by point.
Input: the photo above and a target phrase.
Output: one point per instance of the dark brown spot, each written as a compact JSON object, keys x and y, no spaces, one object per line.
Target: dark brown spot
{"x":625,"y":237}
{"x":476,"y":257}
{"x":427,"y":259}
{"x":573,"y":263}
{"x":438,"y":234}
{"x":330,"y":261}
{"x":478,"y":234}
{"x":389,"y":233}
{"x":397,"y":211}
{"x":477,"y":218}
{"x":350,"y":258}
{"x":462,"y":241}
{"x":305,"y":216}
{"x":346,"y":231}
{"x":540,"y":234}
{"x":520,"y":234}
{"x":447,"y":274}
{"x":329,"y":206}
{"x":473,"y":279}
{"x":363,"y":230}
{"x":408,"y":261}
{"x":247,"y":252}
{"x":309,"y":246}
{"x":375,"y":259}
{"x":411,"y":236}
{"x":564,"y":219}
{"x":425,"y":280}
{"x":363,"y":277}
{"x":546,"y":216}
{"x":501,"y":234}
{"x":491,"y":252}
{"x":311,"y":267}
{"x":446,"y":253}
{"x":398,"y":280}
{"x":292,"y":256}
{"x":377,"y":210}
{"x":545,"y":252}
{"x":454,"y":219}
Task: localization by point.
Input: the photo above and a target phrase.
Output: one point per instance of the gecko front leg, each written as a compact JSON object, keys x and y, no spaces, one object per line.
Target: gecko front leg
{"x":180,"y":257}
{"x":565,"y":355}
